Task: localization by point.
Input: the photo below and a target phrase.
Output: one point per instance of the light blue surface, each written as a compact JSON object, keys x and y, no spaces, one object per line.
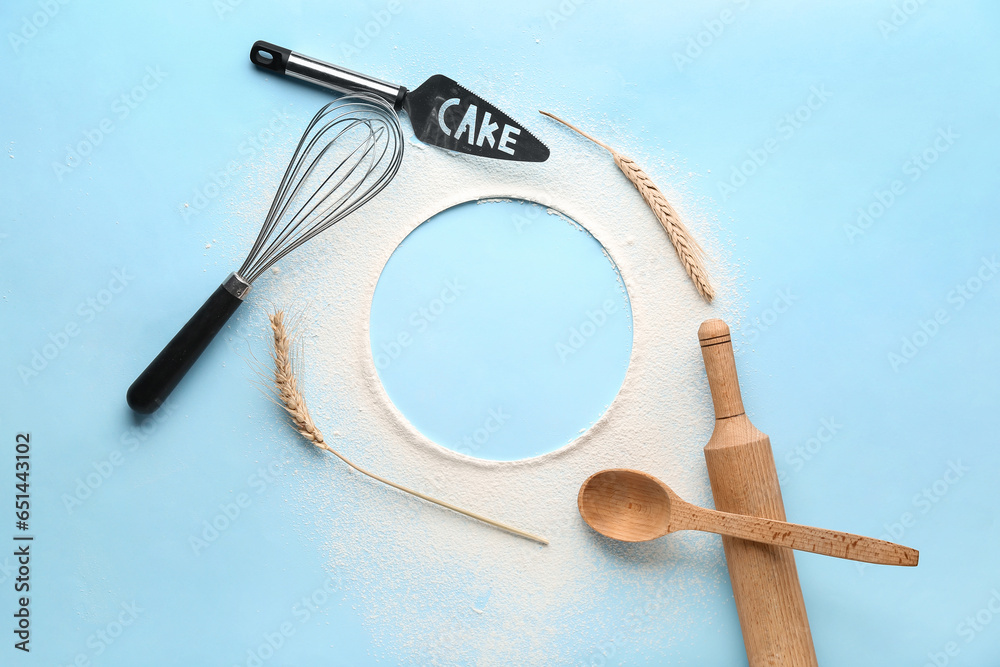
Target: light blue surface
{"x":825,"y":307}
{"x":501,"y":331}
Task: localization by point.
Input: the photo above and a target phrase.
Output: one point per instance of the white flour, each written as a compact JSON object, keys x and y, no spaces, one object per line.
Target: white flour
{"x":438,"y":588}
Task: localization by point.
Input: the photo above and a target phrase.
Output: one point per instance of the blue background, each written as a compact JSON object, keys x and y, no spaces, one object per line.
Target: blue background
{"x":825,"y":308}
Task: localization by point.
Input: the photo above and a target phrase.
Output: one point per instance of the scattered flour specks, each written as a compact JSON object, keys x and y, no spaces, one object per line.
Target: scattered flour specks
{"x":438,"y":588}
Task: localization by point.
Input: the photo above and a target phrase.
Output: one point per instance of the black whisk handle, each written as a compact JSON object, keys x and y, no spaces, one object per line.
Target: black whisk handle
{"x":152,"y":387}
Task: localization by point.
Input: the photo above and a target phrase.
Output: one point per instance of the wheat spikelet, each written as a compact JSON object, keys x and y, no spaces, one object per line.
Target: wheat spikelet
{"x":688,"y":250}
{"x":286,"y":385}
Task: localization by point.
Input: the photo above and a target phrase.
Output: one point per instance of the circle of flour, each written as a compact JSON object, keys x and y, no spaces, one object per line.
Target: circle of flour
{"x":526,"y":399}
{"x":434,"y":587}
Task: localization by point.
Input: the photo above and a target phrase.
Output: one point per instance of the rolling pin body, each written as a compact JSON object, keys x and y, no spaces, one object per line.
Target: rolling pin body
{"x":744,"y":481}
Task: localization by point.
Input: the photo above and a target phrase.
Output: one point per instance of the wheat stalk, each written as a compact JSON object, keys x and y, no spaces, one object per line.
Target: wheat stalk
{"x":287,"y":387}
{"x":688,"y":250}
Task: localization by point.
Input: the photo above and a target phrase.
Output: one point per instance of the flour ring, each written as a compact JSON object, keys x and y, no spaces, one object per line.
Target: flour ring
{"x":658,"y":423}
{"x":377,"y":388}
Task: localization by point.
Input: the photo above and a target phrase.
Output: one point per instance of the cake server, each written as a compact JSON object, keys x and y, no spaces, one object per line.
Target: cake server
{"x":442,"y":112}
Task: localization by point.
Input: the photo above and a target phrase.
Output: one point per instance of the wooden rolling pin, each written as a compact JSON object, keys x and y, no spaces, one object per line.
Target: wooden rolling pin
{"x":744,"y":481}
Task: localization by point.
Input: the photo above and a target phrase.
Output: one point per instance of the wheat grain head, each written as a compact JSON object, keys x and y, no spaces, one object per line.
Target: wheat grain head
{"x":688,"y":251}
{"x":286,"y":385}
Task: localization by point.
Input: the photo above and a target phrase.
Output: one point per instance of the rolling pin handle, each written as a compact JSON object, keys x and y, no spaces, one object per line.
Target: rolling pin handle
{"x":720,"y":366}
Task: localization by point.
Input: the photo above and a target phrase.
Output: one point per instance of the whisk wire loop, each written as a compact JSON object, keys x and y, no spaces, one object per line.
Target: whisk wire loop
{"x":357,"y":142}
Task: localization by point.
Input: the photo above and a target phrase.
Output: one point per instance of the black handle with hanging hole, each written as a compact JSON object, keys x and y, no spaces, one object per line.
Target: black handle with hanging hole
{"x":267,"y":55}
{"x":154,"y":385}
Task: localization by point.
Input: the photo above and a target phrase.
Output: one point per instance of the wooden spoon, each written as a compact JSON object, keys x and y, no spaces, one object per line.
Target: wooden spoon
{"x":632,"y":506}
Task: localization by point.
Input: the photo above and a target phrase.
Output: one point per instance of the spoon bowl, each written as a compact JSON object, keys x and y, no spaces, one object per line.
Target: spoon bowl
{"x":625,"y":505}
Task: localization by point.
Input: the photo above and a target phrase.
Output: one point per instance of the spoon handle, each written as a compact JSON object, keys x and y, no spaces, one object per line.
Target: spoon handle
{"x":794,"y":536}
